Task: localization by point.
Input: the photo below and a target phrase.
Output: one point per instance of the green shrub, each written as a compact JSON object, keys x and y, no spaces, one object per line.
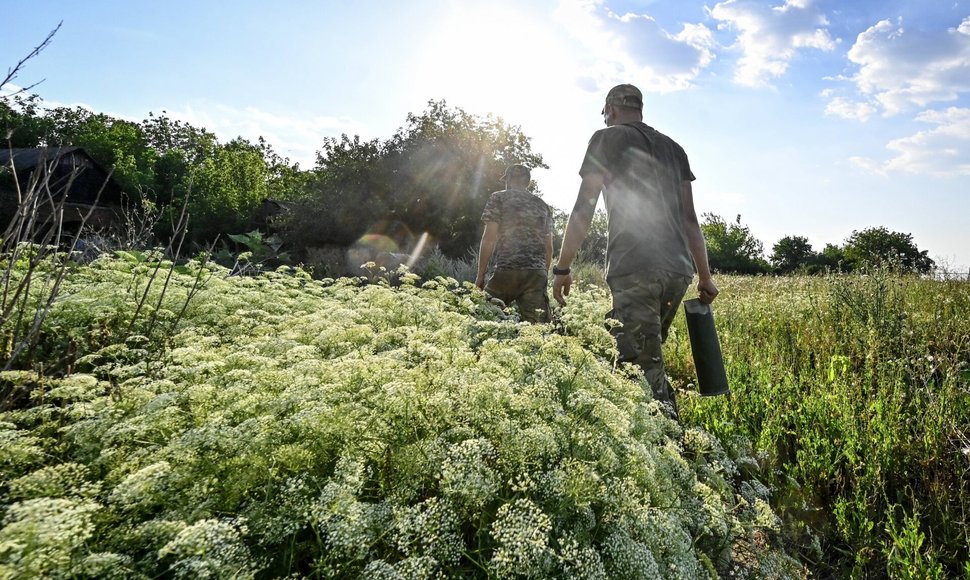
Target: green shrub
{"x":338,"y":428}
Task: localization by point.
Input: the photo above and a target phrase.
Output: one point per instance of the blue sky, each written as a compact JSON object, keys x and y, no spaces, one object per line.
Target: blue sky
{"x":806,"y":117}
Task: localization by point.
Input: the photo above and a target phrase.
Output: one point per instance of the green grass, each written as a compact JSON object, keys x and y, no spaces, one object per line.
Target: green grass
{"x":275,"y":425}
{"x":856,"y":391}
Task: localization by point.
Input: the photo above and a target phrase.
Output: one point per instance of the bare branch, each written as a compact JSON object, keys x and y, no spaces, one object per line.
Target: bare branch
{"x":13,"y":72}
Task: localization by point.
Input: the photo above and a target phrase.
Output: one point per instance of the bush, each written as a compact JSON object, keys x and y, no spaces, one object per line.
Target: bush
{"x":342,"y":429}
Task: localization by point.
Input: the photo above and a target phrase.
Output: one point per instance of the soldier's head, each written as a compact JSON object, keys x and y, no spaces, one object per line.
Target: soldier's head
{"x":624,"y":104}
{"x":517,"y":176}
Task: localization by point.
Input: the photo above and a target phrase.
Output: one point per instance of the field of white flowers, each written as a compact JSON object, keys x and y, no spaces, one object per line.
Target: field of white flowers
{"x":277,"y":426}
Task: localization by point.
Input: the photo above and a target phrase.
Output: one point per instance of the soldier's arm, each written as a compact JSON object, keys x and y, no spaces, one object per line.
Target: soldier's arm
{"x":697,"y":245}
{"x":576,"y":229}
{"x":485,"y":250}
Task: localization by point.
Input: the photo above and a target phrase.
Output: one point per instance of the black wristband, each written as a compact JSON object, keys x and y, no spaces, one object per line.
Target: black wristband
{"x":560,"y":271}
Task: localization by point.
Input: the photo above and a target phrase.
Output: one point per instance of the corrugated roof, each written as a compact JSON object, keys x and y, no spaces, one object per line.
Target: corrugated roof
{"x":28,"y":158}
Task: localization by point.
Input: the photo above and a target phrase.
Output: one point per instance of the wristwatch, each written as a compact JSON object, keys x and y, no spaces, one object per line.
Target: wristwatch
{"x":560,"y":271}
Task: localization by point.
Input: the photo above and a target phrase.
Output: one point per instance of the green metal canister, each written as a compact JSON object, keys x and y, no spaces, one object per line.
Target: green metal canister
{"x":706,"y":348}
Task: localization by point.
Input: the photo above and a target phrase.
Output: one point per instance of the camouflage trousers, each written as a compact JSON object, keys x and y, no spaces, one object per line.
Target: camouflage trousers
{"x":645,"y":304}
{"x":526,"y":288}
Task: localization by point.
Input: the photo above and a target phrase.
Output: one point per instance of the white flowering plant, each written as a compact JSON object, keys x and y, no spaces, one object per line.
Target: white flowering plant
{"x":353,"y":428}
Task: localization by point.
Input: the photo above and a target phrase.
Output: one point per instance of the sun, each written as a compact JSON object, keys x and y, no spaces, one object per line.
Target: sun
{"x":490,"y":59}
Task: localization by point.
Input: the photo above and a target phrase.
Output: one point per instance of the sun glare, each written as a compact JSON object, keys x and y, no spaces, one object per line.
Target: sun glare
{"x":490,"y":59}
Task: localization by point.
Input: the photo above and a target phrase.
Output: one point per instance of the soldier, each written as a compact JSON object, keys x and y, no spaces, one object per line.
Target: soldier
{"x":654,"y":241}
{"x":518,"y":233}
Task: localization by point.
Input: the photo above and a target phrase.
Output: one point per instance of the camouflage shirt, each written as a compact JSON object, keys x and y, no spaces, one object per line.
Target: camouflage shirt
{"x":523,"y":221}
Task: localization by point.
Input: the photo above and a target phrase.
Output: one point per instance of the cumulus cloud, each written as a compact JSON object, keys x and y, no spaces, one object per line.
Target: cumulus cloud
{"x":847,"y":109}
{"x":635,"y":46}
{"x":769,"y":37}
{"x":901,"y":68}
{"x":943,"y":150}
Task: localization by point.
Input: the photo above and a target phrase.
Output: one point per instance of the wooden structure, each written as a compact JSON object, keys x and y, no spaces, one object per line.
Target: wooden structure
{"x":58,"y":180}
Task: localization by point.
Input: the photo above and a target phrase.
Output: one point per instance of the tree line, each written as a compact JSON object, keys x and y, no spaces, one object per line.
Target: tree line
{"x":733,"y":248}
{"x":432,"y":177}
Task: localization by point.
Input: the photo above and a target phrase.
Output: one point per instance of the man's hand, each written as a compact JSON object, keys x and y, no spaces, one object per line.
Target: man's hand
{"x":560,"y":287}
{"x":707,"y":291}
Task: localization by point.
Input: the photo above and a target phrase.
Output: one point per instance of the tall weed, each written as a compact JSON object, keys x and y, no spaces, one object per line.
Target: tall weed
{"x":855,"y":389}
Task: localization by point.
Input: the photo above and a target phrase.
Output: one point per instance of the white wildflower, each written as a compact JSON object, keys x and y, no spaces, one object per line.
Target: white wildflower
{"x":105,"y":566}
{"x":430,"y":528}
{"x":465,"y":473}
{"x":521,"y":532}
{"x":61,"y":480}
{"x":765,"y":517}
{"x":580,"y":561}
{"x":144,"y":487}
{"x":210,"y":549}
{"x":627,"y":558}
{"x":44,"y":536}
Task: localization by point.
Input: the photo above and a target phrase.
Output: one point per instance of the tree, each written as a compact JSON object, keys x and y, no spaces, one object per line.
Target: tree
{"x":878,"y":246}
{"x":346,"y":194}
{"x":447,"y":162}
{"x":432,"y":176}
{"x":593,"y":249}
{"x":114,"y":143}
{"x":731,"y":247}
{"x":792,"y":253}
{"x":22,"y":121}
{"x":227,"y":187}
{"x":163,"y":163}
{"x":832,"y":257}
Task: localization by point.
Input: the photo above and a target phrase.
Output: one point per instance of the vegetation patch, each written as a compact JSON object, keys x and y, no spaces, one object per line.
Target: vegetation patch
{"x":342,"y":428}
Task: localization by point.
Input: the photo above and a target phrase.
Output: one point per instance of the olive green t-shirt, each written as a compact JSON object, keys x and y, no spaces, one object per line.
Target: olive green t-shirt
{"x":643,"y":171}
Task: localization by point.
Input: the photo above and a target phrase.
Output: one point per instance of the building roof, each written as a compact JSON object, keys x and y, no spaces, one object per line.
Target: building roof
{"x":28,"y":158}
{"x":72,"y":172}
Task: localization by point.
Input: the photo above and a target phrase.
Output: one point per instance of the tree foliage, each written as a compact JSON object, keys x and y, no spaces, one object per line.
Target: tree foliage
{"x":791,"y":254}
{"x":432,"y":176}
{"x":593,"y":249}
{"x":731,"y":247}
{"x":162,"y":162}
{"x":878,"y":246}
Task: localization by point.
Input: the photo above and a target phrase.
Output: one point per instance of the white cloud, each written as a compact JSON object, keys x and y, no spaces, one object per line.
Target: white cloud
{"x":10,"y":89}
{"x":842,"y":107}
{"x":868,"y":165}
{"x":769,"y":38}
{"x":901,"y":68}
{"x":943,"y":151}
{"x":295,"y":137}
{"x":635,"y":48}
